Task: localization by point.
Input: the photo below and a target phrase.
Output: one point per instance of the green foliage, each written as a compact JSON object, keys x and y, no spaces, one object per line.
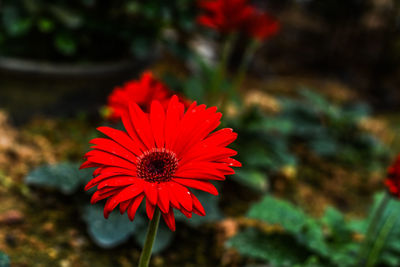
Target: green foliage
{"x":111,"y":232}
{"x":4,"y":260}
{"x":275,"y":249}
{"x":265,"y":142}
{"x":332,"y":131}
{"x":303,"y":241}
{"x":73,"y":30}
{"x":65,"y":177}
{"x":388,"y":253}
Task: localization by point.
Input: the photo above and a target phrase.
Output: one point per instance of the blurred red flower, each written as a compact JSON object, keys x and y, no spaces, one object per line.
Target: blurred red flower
{"x":159,"y":156}
{"x":261,"y":25}
{"x":142,"y":92}
{"x":225,"y":15}
{"x":392,"y":180}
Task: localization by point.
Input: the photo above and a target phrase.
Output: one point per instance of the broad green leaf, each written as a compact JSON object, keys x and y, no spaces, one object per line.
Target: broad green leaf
{"x":4,"y":260}
{"x":111,"y":232}
{"x":65,"y":177}
{"x":278,"y":250}
{"x":305,"y":229}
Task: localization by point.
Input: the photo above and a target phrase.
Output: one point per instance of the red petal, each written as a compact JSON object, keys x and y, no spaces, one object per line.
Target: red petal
{"x":163,"y":198}
{"x":157,"y":120}
{"x":171,"y":122}
{"x":150,"y":190}
{"x":121,"y":138}
{"x":183,"y":195}
{"x":198,"y":184}
{"x":197,"y":207}
{"x":135,"y":203}
{"x":106,"y":158}
{"x":142,"y":126}
{"x":125,"y":194}
{"x":88,"y":164}
{"x":150,"y":209}
{"x":123,"y":206}
{"x":169,"y":219}
{"x":113,"y":147}
{"x":118,"y":181}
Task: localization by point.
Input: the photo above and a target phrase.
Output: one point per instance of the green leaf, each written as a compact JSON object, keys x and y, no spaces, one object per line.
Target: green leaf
{"x":14,"y":24}
{"x":278,"y":250}
{"x":111,"y":232}
{"x":65,"y":177}
{"x":305,"y":229}
{"x":45,"y":25}
{"x":4,"y":260}
{"x":65,"y":44}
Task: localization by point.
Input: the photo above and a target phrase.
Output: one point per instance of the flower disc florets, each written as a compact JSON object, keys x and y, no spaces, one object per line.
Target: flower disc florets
{"x":157,"y":165}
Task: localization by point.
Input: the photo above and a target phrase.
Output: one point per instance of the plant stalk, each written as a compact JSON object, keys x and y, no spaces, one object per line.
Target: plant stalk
{"x":150,"y":237}
{"x":220,"y":73}
{"x":244,"y":65}
{"x":381,"y":239}
{"x":372,"y":228}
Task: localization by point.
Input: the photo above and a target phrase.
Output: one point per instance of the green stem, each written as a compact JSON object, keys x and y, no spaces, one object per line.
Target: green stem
{"x":244,"y":65}
{"x":372,"y":228}
{"x":381,"y":239}
{"x":220,"y":73}
{"x":150,"y":237}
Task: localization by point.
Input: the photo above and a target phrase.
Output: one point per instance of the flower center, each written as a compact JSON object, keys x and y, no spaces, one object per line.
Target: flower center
{"x":157,"y":165}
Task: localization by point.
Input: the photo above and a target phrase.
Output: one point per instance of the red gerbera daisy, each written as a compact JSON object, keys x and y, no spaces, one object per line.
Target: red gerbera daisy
{"x":392,"y":180}
{"x":261,"y":25}
{"x":159,"y":156}
{"x":141,"y":91}
{"x":225,"y":15}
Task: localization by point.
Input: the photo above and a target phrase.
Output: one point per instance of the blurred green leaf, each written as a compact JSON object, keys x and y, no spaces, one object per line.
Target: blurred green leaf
{"x":65,"y":177}
{"x":65,"y":44}
{"x":4,"y":260}
{"x":277,"y":250}
{"x":45,"y":25}
{"x":14,"y":24}
{"x":111,"y":232}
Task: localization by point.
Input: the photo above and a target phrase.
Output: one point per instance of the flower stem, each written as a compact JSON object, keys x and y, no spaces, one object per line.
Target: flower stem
{"x":244,"y":65}
{"x":220,"y":72}
{"x":372,"y":228}
{"x":150,"y":237}
{"x":380,"y":240}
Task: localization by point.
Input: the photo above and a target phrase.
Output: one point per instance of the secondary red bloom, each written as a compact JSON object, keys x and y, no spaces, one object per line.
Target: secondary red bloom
{"x":261,"y":25}
{"x":225,"y":15}
{"x":141,"y":91}
{"x":392,"y":180}
{"x":158,"y":158}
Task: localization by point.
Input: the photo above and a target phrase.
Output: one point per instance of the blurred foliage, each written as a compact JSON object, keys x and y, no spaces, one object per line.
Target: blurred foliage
{"x":83,"y":30}
{"x":266,"y":142}
{"x":107,"y":233}
{"x":4,"y":260}
{"x":65,"y":177}
{"x":302,"y":240}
